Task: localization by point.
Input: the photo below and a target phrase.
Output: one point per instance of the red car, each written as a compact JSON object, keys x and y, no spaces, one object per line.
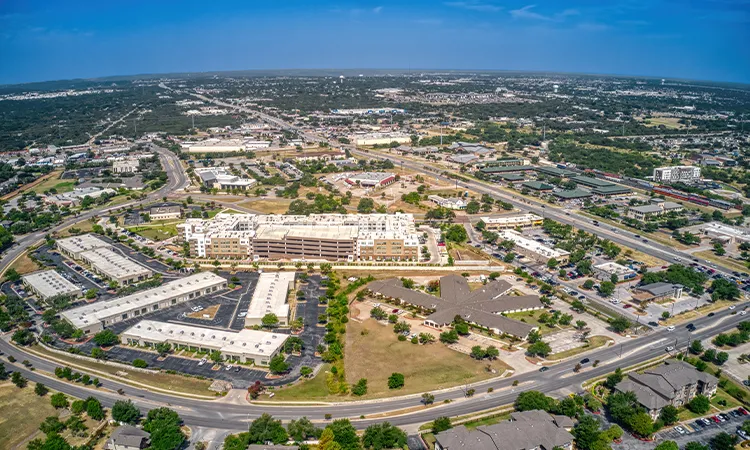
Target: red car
{"x":715,"y":419}
{"x":743,"y":411}
{"x":627,"y":306}
{"x":395,"y":311}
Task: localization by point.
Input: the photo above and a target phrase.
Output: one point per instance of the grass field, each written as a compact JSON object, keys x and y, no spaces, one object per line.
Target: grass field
{"x":83,"y":227}
{"x":531,"y":318}
{"x":57,"y":184}
{"x":268,"y":206}
{"x":21,"y":412}
{"x":24,"y":264}
{"x":175,"y":383}
{"x":594,"y":342}
{"x":721,"y":261}
{"x":312,"y":389}
{"x":671,"y":123}
{"x":156,"y":231}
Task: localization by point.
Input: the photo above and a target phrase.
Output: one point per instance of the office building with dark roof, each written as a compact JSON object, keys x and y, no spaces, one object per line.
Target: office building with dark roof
{"x":483,"y":307}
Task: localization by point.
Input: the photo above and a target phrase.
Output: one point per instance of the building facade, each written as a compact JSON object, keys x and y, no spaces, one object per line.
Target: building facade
{"x":674,"y":174}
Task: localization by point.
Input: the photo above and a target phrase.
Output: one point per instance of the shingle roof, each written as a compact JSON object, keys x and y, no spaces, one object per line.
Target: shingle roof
{"x":128,"y":436}
{"x":482,"y":306}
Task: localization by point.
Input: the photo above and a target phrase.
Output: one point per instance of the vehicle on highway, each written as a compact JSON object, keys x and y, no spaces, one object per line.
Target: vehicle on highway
{"x":670,"y":348}
{"x":670,"y":328}
{"x":653,"y":324}
{"x":585,"y":361}
{"x":690,"y":327}
{"x":711,"y":314}
{"x":732,"y":307}
{"x":544,"y":369}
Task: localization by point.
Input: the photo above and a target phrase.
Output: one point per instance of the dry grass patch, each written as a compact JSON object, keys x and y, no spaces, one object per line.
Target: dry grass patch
{"x":24,"y":264}
{"x":268,"y":206}
{"x":206,"y":314}
{"x":21,"y":412}
{"x":721,"y":261}
{"x":374,"y":352}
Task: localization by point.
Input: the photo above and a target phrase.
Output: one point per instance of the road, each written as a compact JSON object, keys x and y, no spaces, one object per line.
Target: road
{"x":558,"y":380}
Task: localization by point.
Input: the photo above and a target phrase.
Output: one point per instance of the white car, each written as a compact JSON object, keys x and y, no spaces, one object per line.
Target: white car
{"x":680,"y":430}
{"x":202,"y":361}
{"x":731,"y":307}
{"x":742,"y":313}
{"x":229,"y":367}
{"x":670,"y":348}
{"x":670,"y":328}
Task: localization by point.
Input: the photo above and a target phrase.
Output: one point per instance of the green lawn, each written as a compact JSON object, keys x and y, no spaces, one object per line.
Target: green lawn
{"x":312,"y":388}
{"x":531,"y":318}
{"x":156,"y":231}
{"x":731,"y":402}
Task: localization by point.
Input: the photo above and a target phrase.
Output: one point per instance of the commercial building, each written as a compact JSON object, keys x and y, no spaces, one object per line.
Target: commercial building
{"x":371,"y":179}
{"x":537,"y":186}
{"x":511,"y":221}
{"x":97,"y":316}
{"x":126,"y":166}
{"x":605,"y":271}
{"x":77,"y":195}
{"x":219,"y":178}
{"x":573,"y":194}
{"x":672,"y":383}
{"x":528,"y":430}
{"x":381,"y":138}
{"x":48,"y":284}
{"x":246,"y":346}
{"x":449,"y":203}
{"x":718,"y":231}
{"x":73,"y":246}
{"x":674,"y":174}
{"x":225,"y":145}
{"x":657,"y":291}
{"x":115,"y":266}
{"x":646,"y":211}
{"x":463,"y":159}
{"x":483,"y":307}
{"x":500,"y":171}
{"x":555,"y":171}
{"x":270,"y":297}
{"x":533,"y":249}
{"x":165,"y":212}
{"x":332,"y":237}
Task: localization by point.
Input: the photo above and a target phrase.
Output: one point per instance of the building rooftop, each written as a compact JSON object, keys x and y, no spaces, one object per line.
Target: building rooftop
{"x":270,"y":295}
{"x":244,"y":341}
{"x":50,"y":284}
{"x":82,"y":243}
{"x":533,"y":246}
{"x":114,"y":265}
{"x":96,"y":312}
{"x":504,"y":169}
{"x":591,"y":181}
{"x":613,"y":268}
{"x":659,"y":289}
{"x":611,"y":190}
{"x":511,"y":219}
{"x":573,"y":194}
{"x":538,"y":185}
{"x":554,"y":171}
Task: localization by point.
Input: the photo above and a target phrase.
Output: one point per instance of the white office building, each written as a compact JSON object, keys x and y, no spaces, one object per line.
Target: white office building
{"x":49,"y":284}
{"x":75,"y":245}
{"x":533,"y":249}
{"x":257,"y":347}
{"x":675,"y":174}
{"x":270,"y":297}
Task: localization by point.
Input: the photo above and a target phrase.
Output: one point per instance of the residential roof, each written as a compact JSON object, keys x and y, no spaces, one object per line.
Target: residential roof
{"x":645,"y":396}
{"x":482,"y":306}
{"x":128,"y":436}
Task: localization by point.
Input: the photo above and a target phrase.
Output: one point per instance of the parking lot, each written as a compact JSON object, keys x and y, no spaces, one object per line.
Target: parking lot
{"x":693,"y":432}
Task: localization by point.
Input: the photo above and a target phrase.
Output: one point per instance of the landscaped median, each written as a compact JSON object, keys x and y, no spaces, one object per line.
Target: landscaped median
{"x":152,"y":380}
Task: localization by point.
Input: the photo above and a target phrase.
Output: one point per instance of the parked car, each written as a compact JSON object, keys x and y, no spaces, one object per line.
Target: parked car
{"x":544,"y":369}
{"x":679,"y":429}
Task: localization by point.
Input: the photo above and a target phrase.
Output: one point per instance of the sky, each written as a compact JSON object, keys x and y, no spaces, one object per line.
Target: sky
{"x":688,"y":39}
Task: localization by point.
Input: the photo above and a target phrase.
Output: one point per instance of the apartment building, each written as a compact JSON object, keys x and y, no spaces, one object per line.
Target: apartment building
{"x":673,"y":383}
{"x":674,"y":174}
{"x":332,"y":237}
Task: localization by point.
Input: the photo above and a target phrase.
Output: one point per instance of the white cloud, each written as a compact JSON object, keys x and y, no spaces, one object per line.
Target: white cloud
{"x":377,"y":9}
{"x":475,"y":5}
{"x":527,"y":13}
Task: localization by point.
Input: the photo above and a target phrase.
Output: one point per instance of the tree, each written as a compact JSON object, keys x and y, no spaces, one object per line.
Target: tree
{"x":568,"y":406}
{"x":98,"y":353}
{"x":278,"y":365}
{"x":530,"y":400}
{"x":723,"y":441}
{"x":586,"y":433}
{"x":401,"y":327}
{"x":383,"y":436}
{"x":266,"y":429}
{"x":164,"y":426}
{"x":345,"y":434}
{"x":106,"y":338}
{"x":91,"y":294}
{"x":441,"y":423}
{"x":303,"y":429}
{"x":695,"y":446}
{"x":126,"y":412}
{"x":619,"y":324}
{"x":40,"y":389}
{"x":588,"y":284}
{"x":667,"y":445}
{"x":449,"y":337}
{"x":396,"y":381}
{"x":428,"y":398}
{"x":700,"y":404}
{"x":163,"y":348}
{"x":94,"y":408}
{"x":724,"y":290}
{"x":696,"y":347}
{"x":721,"y":358}
{"x":18,"y":379}
{"x":606,"y":288}
{"x":580,"y":324}
{"x":59,"y":400}
{"x":668,"y":415}
{"x":534,"y":336}
{"x":12,"y":275}
{"x":51,"y":425}
{"x":477,"y":352}
{"x":270,"y":320}
{"x":326,"y":441}
{"x":539,"y":348}
{"x":641,"y":424}
{"x":492,"y":352}
{"x":23,"y":337}
{"x":140,"y":363}
{"x":456,"y":233}
{"x":360,"y":388}
{"x":462,"y":328}
{"x":552,"y":263}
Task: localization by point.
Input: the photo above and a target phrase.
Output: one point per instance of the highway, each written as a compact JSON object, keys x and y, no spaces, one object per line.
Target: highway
{"x":557,"y":381}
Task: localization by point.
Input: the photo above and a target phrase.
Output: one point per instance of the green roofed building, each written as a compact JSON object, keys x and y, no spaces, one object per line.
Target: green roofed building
{"x":573,"y":194}
{"x":591,"y":182}
{"x":506,"y":169}
{"x":611,"y":190}
{"x":555,"y":172}
{"x":511,"y":177}
{"x":538,"y":186}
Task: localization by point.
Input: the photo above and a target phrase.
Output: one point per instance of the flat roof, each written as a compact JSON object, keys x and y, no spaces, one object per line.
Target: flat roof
{"x":512,"y":218}
{"x":511,"y":177}
{"x":245,"y":341}
{"x":573,"y":193}
{"x":614,"y":189}
{"x":49,"y":283}
{"x":97,"y":312}
{"x":501,"y":169}
{"x":556,"y":171}
{"x":113,"y":264}
{"x":278,"y":232}
{"x":270,"y":295}
{"x":614,"y":268}
{"x":82,"y":243}
{"x":532,"y":245}
{"x":371,"y":176}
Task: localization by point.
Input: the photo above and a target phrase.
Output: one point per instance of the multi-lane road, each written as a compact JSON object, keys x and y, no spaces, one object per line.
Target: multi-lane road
{"x":227,"y":415}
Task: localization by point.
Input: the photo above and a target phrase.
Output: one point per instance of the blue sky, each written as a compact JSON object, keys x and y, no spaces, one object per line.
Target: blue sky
{"x":48,"y":40}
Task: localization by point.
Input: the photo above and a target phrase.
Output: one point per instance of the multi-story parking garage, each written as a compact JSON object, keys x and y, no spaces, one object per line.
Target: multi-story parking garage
{"x":96,"y":316}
